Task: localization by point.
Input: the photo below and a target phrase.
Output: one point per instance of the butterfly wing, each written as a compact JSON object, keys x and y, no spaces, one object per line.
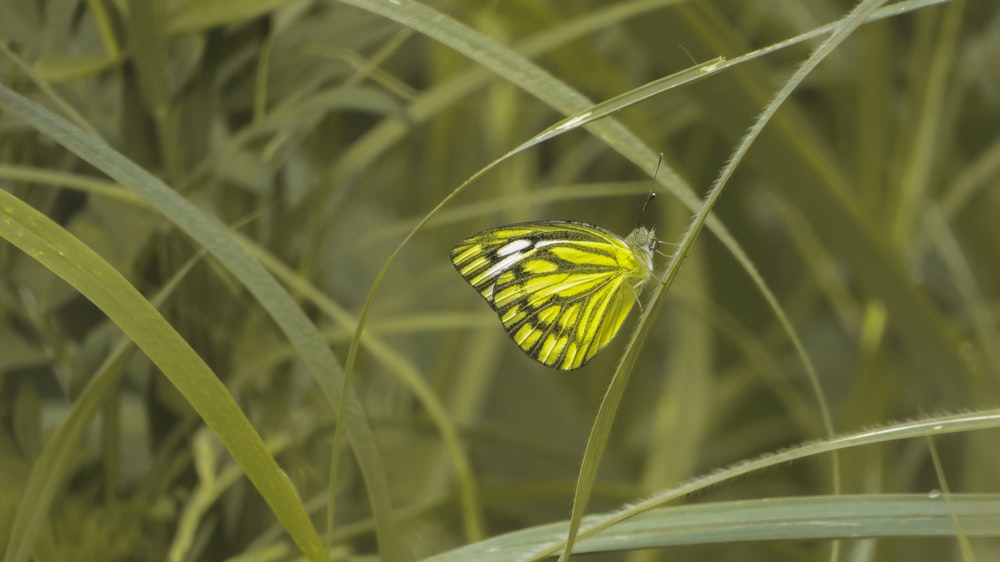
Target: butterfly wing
{"x":561,"y":289}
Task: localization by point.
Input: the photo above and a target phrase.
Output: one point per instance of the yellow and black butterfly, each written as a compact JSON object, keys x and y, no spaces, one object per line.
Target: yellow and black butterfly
{"x":562,"y":289}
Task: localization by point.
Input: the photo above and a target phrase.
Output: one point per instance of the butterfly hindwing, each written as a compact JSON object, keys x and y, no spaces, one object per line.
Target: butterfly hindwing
{"x":561,"y":289}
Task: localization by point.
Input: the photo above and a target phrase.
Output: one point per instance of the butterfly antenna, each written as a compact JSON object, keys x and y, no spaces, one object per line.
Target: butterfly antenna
{"x":652,"y":194}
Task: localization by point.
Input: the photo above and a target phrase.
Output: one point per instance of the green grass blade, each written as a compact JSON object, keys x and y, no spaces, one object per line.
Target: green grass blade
{"x":75,"y":263}
{"x":772,"y":519}
{"x":217,"y":241}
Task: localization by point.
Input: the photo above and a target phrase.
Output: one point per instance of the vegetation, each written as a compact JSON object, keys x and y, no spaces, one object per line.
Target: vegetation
{"x":230,"y":328}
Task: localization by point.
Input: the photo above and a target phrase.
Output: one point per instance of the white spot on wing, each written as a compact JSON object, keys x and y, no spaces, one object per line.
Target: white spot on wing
{"x":495,"y":269}
{"x":515,"y":246}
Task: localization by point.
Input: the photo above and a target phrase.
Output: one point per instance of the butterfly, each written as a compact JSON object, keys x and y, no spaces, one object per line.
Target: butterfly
{"x":562,"y":289}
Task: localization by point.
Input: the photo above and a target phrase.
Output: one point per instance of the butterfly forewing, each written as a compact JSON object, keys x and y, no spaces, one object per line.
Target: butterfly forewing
{"x":561,"y":289}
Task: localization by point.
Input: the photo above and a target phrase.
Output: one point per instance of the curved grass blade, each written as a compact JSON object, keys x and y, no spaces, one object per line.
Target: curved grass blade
{"x":74,"y":262}
{"x":273,"y":298}
{"x":773,"y":519}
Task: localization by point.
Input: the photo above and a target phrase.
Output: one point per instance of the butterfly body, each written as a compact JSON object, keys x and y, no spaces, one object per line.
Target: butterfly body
{"x":561,"y":289}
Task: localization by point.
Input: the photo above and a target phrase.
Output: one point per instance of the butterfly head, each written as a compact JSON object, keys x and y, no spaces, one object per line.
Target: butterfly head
{"x":643,"y":243}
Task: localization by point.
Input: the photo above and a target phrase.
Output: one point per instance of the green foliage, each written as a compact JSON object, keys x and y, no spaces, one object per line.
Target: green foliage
{"x":230,"y":330}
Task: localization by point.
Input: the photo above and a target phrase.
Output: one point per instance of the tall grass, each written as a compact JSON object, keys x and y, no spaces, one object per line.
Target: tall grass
{"x":229,"y":328}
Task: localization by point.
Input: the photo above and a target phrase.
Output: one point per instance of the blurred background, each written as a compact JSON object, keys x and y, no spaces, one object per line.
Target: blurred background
{"x":323,"y":132}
